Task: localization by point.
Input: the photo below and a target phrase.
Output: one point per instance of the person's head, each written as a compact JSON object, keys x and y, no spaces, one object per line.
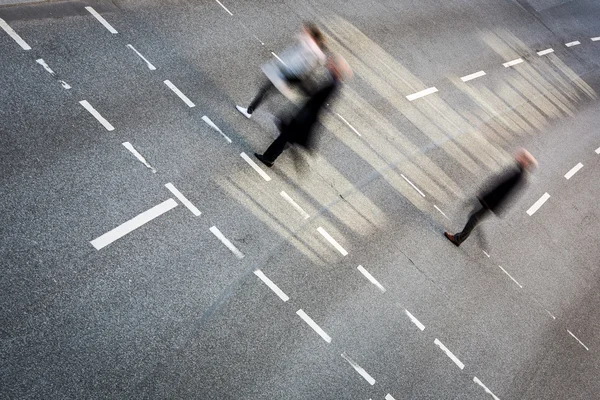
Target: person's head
{"x":315,"y":33}
{"x":525,"y":159}
{"x":338,"y":67}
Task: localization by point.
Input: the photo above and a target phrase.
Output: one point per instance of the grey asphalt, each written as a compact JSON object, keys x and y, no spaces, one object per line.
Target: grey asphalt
{"x":169,"y":312}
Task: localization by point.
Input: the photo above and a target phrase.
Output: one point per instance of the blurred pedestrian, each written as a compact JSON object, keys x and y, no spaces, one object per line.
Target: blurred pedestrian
{"x":495,"y":199}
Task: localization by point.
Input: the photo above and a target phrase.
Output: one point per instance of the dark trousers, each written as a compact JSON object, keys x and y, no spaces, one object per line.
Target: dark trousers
{"x":267,"y":89}
{"x":276,"y":148}
{"x":476,"y":216}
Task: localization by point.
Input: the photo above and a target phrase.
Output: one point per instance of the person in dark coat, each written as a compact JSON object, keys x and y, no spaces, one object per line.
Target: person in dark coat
{"x":495,"y":199}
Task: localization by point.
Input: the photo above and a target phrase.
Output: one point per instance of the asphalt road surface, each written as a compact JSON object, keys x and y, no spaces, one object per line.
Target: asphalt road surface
{"x":146,"y":253}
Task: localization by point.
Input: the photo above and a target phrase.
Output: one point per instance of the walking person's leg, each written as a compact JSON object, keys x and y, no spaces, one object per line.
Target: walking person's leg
{"x":263,"y":93}
{"x":476,"y":216}
{"x":274,"y":150}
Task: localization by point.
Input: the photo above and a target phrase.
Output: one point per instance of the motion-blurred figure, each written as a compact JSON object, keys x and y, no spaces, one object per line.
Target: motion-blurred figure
{"x":494,"y":200}
{"x":299,"y":128}
{"x":292,"y":68}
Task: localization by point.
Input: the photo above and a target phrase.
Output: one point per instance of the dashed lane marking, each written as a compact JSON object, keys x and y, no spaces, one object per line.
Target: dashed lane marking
{"x":97,"y":115}
{"x":422,"y":93}
{"x":510,"y":276}
{"x":313,"y":325}
{"x":348,"y":123}
{"x":595,"y":39}
{"x":484,"y":252}
{"x":179,"y":93}
{"x":215,"y":127}
{"x":271,"y":285}
{"x":414,"y":320}
{"x":536,"y":206}
{"x":359,"y":369}
{"x":598,"y":150}
{"x":441,"y":212}
{"x":513,"y":62}
{"x":183,"y":199}
{"x":14,"y":35}
{"x":370,"y":278}
{"x":102,"y":20}
{"x":389,"y":397}
{"x":449,"y":354}
{"x":47,"y":68}
{"x":215,"y":231}
{"x":294,"y":205}
{"x":412,"y":184}
{"x":470,"y":77}
{"x":571,"y":44}
{"x":544,"y":52}
{"x":137,"y":155}
{"x":148,"y":63}
{"x":576,"y":338}
{"x":573,"y":171}
{"x":331,"y":240}
{"x":225,"y":8}
{"x":488,"y":391}
{"x":255,"y":166}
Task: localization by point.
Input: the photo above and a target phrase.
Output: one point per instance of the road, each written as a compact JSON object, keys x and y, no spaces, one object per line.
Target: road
{"x":146,"y":254}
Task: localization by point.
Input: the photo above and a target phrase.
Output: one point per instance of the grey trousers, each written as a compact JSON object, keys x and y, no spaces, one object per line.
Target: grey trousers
{"x":475,"y":218}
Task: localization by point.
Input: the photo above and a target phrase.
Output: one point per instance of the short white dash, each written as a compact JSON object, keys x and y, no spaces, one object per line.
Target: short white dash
{"x":441,"y":212}
{"x":580,"y":342}
{"x":183,"y":199}
{"x":65,"y":85}
{"x":14,"y":35}
{"x":348,"y":123}
{"x":484,"y":252}
{"x":411,"y":184}
{"x":215,"y":127}
{"x":277,"y":57}
{"x":226,"y":242}
{"x":331,"y":240}
{"x":470,"y":77}
{"x":97,"y":115}
{"x":148,"y":63}
{"x":137,"y":155}
{"x":550,"y":314}
{"x":449,"y":353}
{"x":133,"y":224}
{"x":359,"y":369}
{"x":225,"y":8}
{"x":370,"y":278}
{"x":314,"y":325}
{"x":256,"y":167}
{"x":389,"y":397}
{"x":571,"y":44}
{"x":513,"y":62}
{"x":510,"y":276}
{"x":544,"y":52}
{"x":488,"y":391}
{"x":422,"y":93}
{"x":102,"y":20}
{"x":573,"y":171}
{"x":179,"y":93}
{"x":595,"y":39}
{"x":415,"y":320}
{"x":536,"y":206}
{"x":47,"y":68}
{"x":271,"y":285}
{"x":294,"y":205}
{"x":598,"y":150}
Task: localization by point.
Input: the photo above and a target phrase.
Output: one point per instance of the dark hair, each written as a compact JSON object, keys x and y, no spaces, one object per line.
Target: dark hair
{"x":315,"y":32}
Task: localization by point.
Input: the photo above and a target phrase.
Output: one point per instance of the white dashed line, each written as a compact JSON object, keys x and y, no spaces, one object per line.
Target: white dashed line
{"x":14,"y":35}
{"x":256,"y":167}
{"x":488,"y":391}
{"x":509,"y":275}
{"x":414,"y":320}
{"x":148,"y":63}
{"x":97,"y":115}
{"x":389,"y":397}
{"x":102,"y":20}
{"x":225,"y":8}
{"x":595,"y":39}
{"x":449,"y":354}
{"x":47,"y":68}
{"x":470,"y":77}
{"x":580,"y":342}
{"x":422,"y":93}
{"x":226,"y":242}
{"x":411,"y":184}
{"x":441,"y":212}
{"x":513,"y":62}
{"x":271,"y":285}
{"x":314,"y":325}
{"x":331,"y":240}
{"x":573,"y":171}
{"x":550,"y":314}
{"x":180,"y":94}
{"x":370,"y":278}
{"x":348,"y":123}
{"x":294,"y":205}
{"x":598,"y":150}
{"x":359,"y":369}
{"x":279,"y":59}
{"x":536,"y":206}
{"x":133,"y":224}
{"x":484,"y":252}
{"x":571,"y":44}
{"x":544,"y":52}
{"x":183,"y":199}
{"x":215,"y":127}
{"x":137,"y":155}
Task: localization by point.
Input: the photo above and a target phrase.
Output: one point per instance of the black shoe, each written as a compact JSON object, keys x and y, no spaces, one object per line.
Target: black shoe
{"x":263,"y":160}
{"x":451,"y":238}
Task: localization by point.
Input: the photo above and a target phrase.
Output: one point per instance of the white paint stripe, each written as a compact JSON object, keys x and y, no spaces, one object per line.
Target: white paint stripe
{"x":370,"y":278}
{"x":313,"y":325}
{"x":14,"y":35}
{"x":215,"y":127}
{"x":536,"y":206}
{"x":470,"y":77}
{"x":389,"y":397}
{"x":573,"y":171}
{"x":411,"y":184}
{"x":183,"y":199}
{"x":414,"y":320}
{"x":510,"y":276}
{"x":449,"y":353}
{"x":47,"y":68}
{"x":580,"y":342}
{"x":271,"y":285}
{"x":225,"y":8}
{"x":277,"y":57}
{"x":226,"y":242}
{"x":544,"y":52}
{"x":294,"y":205}
{"x":179,"y":93}
{"x":256,"y":167}
{"x":550,"y":314}
{"x":598,"y":150}
{"x":513,"y":62}
{"x":331,"y":240}
{"x":102,"y":20}
{"x":348,"y":123}
{"x":484,"y":252}
{"x":571,"y":44}
{"x":359,"y":369}
{"x":137,"y":155}
{"x":488,"y":391}
{"x":441,"y":212}
{"x":148,"y":63}
{"x":422,"y":93}
{"x":595,"y":39}
{"x":65,"y":85}
{"x":133,"y":224}
{"x":97,"y":115}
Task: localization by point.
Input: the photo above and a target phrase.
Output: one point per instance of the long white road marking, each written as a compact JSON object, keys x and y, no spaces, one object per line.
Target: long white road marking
{"x":359,"y":369}
{"x":314,"y":325}
{"x":414,"y":187}
{"x":449,"y":353}
{"x":226,"y":242}
{"x":580,"y":342}
{"x":331,"y":240}
{"x":510,"y":276}
{"x":148,"y":63}
{"x":102,"y":20}
{"x":47,"y":68}
{"x":573,"y":171}
{"x":255,"y":167}
{"x":180,"y":94}
{"x":14,"y":35}
{"x":215,"y":127}
{"x":225,"y":8}
{"x":536,"y":206}
{"x":544,"y":52}
{"x":595,"y":39}
{"x":183,"y":199}
{"x":370,"y":278}
{"x":571,"y":44}
{"x":133,"y":224}
{"x":470,"y":77}
{"x":414,"y":320}
{"x":348,"y":123}
{"x":488,"y":391}
{"x":441,"y":212}
{"x":137,"y":155}
{"x":513,"y":62}
{"x":598,"y":150}
{"x":97,"y":115}
{"x":294,"y":205}
{"x":389,"y":397}
{"x":422,"y":93}
{"x":271,"y":285}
